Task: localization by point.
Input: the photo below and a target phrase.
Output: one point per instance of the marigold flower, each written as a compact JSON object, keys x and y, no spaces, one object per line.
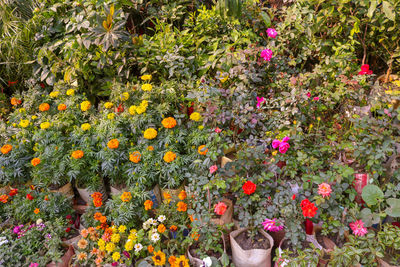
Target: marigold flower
{"x":24,"y":123}
{"x":202,"y":150}
{"x":85,"y":126}
{"x":324,"y":190}
{"x":150,"y":133}
{"x":220,"y":208}
{"x":135,"y":157}
{"x":195,"y":236}
{"x":146,"y":77}
{"x":182,"y":261}
{"x":97,"y":216}
{"x":84,"y":233}
{"x":173,"y":228}
{"x":126,"y":196}
{"x":85,"y":105}
{"x":113,"y":144}
{"x":147,"y":87}
{"x":169,"y":122}
{"x":15,"y":101}
{"x":77,"y":154}
{"x":161,"y":228}
{"x":36,"y":211}
{"x":195,"y":116}
{"x":150,"y":248}
{"x":108,"y":105}
{"x":13,"y":192}
{"x":111,"y":116}
{"x":249,"y":187}
{"x":6,"y":149}
{"x":140,"y":109}
{"x":148,"y":204}
{"x":45,"y":125}
{"x":116,"y":256}
{"x":169,"y":156}
{"x":70,"y":92}
{"x":172,"y":260}
{"x":110,"y":247}
{"x":132,"y":110}
{"x":96,"y":195}
{"x":35,"y":161}
{"x":44,"y":107}
{"x":158,"y":258}
{"x":122,"y":228}
{"x":97,"y":202}
{"x":82,"y":243}
{"x":62,"y":107}
{"x":182,"y":206}
{"x":29,"y":196}
{"x":150,"y":148}
{"x":115,"y":238}
{"x":54,"y":94}
{"x":82,"y":256}
{"x":182,"y":195}
{"x":167,"y":197}
{"x":4,"y":198}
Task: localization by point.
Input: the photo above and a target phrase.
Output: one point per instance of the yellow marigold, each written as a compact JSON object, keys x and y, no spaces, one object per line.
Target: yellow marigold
{"x":36,"y":211}
{"x":82,"y":244}
{"x":148,"y":204}
{"x":108,"y":105}
{"x":195,"y":116}
{"x":35,"y":161}
{"x":34,"y":117}
{"x":111,"y":116}
{"x":146,"y":77}
{"x":122,"y":228}
{"x":113,"y":143}
{"x":6,"y":149}
{"x":24,"y":123}
{"x":70,"y":92}
{"x":77,"y":154}
{"x":44,"y":107}
{"x":54,"y":94}
{"x":125,"y":96}
{"x":126,"y":196}
{"x":169,"y":156}
{"x":158,"y":258}
{"x":132,"y":110}
{"x":101,"y":243}
{"x":85,"y":126}
{"x":167,"y":197}
{"x":129,"y":245}
{"x":150,"y":133}
{"x":62,"y":107}
{"x":115,"y":238}
{"x":82,"y":256}
{"x":182,"y":206}
{"x":169,"y":122}
{"x":144,"y":103}
{"x":182,"y":195}
{"x":150,"y":148}
{"x":135,"y":157}
{"x":147,"y":87}
{"x":116,"y":256}
{"x":182,"y":261}
{"x":140,"y":109}
{"x":202,"y":150}
{"x":15,"y":101}
{"x":110,"y":247}
{"x":274,"y":152}
{"x":161,"y":228}
{"x":85,"y":105}
{"x":45,"y":125}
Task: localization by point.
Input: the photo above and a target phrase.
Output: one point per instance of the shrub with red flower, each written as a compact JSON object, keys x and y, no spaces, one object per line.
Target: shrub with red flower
{"x":29,"y":196}
{"x":249,"y":187}
{"x":13,"y":192}
{"x":365,"y":70}
{"x":309,"y":209}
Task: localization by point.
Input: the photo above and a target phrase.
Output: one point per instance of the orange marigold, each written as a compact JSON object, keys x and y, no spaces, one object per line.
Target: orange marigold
{"x":35,"y":161}
{"x":97,"y":216}
{"x":15,"y":101}
{"x":150,"y":148}
{"x":97,"y":202}
{"x":135,"y":157}
{"x":167,"y":197}
{"x":103,"y":219}
{"x":169,"y":122}
{"x":44,"y":107}
{"x":126,"y":196}
{"x":182,"y":195}
{"x":150,"y":249}
{"x":96,"y":195}
{"x":36,"y":211}
{"x":4,"y":198}
{"x":148,"y":204}
{"x":202,"y":150}
{"x":173,"y":228}
{"x":182,"y":206}
{"x":77,"y":154}
{"x":172,"y":260}
{"x":195,"y":236}
{"x":169,"y":156}
{"x":161,"y":228}
{"x":6,"y":149}
{"x":113,"y":143}
{"x":62,"y":107}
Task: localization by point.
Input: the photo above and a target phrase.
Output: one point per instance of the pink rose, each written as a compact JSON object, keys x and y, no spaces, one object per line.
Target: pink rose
{"x":283,"y":147}
{"x":217,"y":130}
{"x":220,"y":208}
{"x":308,"y":94}
{"x":213,"y":169}
{"x":316,"y":98}
{"x":276,"y":143}
{"x":266,"y":54}
{"x":272,"y":33}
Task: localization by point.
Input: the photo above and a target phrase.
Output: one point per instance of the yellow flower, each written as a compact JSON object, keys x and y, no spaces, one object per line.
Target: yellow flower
{"x":318,"y":118}
{"x":182,"y":261}
{"x":125,"y":96}
{"x":169,"y":156}
{"x":122,"y":228}
{"x":110,"y":116}
{"x":54,"y":94}
{"x":147,"y":87}
{"x":110,"y":247}
{"x":101,"y":243}
{"x":311,"y":126}
{"x":294,"y":122}
{"x":195,"y":116}
{"x":274,"y":153}
{"x":201,"y":127}
{"x":85,"y":126}
{"x":150,"y":133}
{"x":158,"y":258}
{"x":116,"y":256}
{"x":132,"y":110}
{"x":133,"y":235}
{"x":34,"y":117}
{"x":146,"y":77}
{"x":22,"y":110}
{"x":108,"y":105}
{"x":129,"y":245}
{"x":85,"y":105}
{"x":45,"y":125}
{"x":24,"y":123}
{"x":70,"y":92}
{"x":144,"y":103}
{"x":140,"y":109}
{"x":115,"y":238}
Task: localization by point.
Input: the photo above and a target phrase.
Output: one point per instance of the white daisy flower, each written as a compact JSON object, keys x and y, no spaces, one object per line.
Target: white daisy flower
{"x":138,"y":247}
{"x":155,"y":237}
{"x":146,"y":225}
{"x":161,"y":218}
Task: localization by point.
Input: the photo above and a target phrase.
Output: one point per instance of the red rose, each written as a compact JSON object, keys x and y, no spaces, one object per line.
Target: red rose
{"x":249,"y":187}
{"x":13,"y":192}
{"x":29,"y":196}
{"x":68,"y":217}
{"x":309,"y":208}
{"x":68,"y":229}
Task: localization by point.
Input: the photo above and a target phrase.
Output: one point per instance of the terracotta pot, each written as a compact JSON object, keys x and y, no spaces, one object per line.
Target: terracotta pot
{"x":251,"y":257}
{"x":65,"y":190}
{"x":196,"y":262}
{"x":383,"y":263}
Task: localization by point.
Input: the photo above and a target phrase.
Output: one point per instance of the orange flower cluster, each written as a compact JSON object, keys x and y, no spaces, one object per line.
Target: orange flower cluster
{"x":97,"y":201}
{"x":15,"y":101}
{"x":169,"y":156}
{"x":44,"y":107}
{"x":148,"y":204}
{"x":135,"y":157}
{"x":182,"y":195}
{"x":77,"y":154}
{"x":62,"y":107}
{"x":202,"y":150}
{"x":161,"y":228}
{"x":36,"y":211}
{"x":100,"y":217}
{"x":113,"y":144}
{"x":35,"y":161}
{"x":4,"y":198}
{"x":6,"y":148}
{"x":182,"y":206}
{"x":126,"y":196}
{"x":169,"y":122}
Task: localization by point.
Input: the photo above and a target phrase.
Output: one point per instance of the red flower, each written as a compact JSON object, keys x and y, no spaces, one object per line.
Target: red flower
{"x":68,"y":229}
{"x":11,"y":83}
{"x":13,"y":192}
{"x":42,"y":85}
{"x":249,"y":187}
{"x":365,"y":70}
{"x":29,"y":196}
{"x":293,"y":197}
{"x":309,"y":209}
{"x":68,"y":217}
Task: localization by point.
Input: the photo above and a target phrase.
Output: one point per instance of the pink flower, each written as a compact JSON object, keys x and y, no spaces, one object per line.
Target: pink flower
{"x":386,"y":111}
{"x":308,"y":94}
{"x":220,"y":208}
{"x":34,"y":264}
{"x":272,"y":225}
{"x":286,"y":139}
{"x":272,"y":33}
{"x":266,"y":54}
{"x":316,"y":98}
{"x":365,"y":70}
{"x":324,"y":190}
{"x":213,"y":169}
{"x":358,"y":228}
{"x":276,"y":143}
{"x":217,"y":130}
{"x":283,"y":147}
{"x":260,"y":100}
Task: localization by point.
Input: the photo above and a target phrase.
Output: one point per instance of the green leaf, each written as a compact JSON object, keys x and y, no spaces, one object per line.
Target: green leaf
{"x":371,"y":194}
{"x":372,"y":8}
{"x":394,"y":209}
{"x":389,"y":10}
{"x":266,"y":19}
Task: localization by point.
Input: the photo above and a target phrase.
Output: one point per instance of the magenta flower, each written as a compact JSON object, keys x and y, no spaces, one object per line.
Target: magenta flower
{"x":260,"y":100}
{"x":358,"y":228}
{"x":316,"y":98}
{"x":282,"y":145}
{"x":213,"y":169}
{"x":34,"y":264}
{"x":324,"y":190}
{"x":126,"y":253}
{"x":308,"y":94}
{"x":266,"y":54}
{"x":272,"y":33}
{"x":386,"y":111}
{"x":217,"y":130}
{"x":365,"y":70}
{"x":272,"y":225}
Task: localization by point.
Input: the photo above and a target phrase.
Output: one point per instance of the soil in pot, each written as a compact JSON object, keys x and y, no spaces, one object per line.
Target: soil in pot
{"x":257,"y":242}
{"x":287,"y":245}
{"x":335,"y":238}
{"x":210,"y":253}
